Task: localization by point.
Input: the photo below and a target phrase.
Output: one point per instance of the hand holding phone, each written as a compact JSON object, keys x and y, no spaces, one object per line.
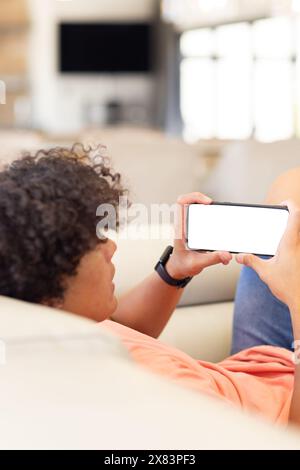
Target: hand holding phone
{"x":236,"y":228}
{"x":183,"y":262}
{"x":282,"y":272}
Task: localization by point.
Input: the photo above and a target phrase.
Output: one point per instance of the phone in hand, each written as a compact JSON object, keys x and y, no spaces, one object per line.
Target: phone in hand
{"x":237,"y":228}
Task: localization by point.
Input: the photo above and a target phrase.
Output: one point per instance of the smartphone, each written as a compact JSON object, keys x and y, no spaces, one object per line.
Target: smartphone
{"x":237,"y":228}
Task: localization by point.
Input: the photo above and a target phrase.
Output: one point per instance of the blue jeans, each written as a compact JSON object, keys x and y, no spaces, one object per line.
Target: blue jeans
{"x":259,"y":317}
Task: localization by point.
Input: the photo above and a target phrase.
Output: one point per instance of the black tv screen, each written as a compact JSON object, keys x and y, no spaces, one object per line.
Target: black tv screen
{"x":103,"y":47}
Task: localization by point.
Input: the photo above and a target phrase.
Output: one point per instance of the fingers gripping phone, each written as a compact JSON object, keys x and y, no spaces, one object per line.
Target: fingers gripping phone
{"x":237,"y":228}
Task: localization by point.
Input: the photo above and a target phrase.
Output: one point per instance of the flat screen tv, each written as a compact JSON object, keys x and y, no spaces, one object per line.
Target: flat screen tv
{"x":104,"y":48}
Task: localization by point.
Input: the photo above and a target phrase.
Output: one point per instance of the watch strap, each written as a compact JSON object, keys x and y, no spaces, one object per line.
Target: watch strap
{"x":160,"y":268}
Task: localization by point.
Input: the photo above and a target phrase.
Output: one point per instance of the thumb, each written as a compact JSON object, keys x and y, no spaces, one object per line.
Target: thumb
{"x":216,"y":257}
{"x":251,"y":261}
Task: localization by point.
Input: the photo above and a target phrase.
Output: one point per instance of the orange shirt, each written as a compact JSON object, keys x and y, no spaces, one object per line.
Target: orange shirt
{"x":258,"y":379}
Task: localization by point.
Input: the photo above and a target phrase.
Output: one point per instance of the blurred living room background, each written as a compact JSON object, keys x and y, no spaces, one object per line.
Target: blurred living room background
{"x":185,"y":94}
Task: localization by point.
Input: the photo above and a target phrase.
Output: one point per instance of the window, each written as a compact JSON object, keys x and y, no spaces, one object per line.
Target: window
{"x":240,"y":80}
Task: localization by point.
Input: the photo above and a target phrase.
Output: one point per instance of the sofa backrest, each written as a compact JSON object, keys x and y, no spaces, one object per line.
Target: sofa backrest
{"x":246,"y":169}
{"x":13,"y":143}
{"x":155,"y":168}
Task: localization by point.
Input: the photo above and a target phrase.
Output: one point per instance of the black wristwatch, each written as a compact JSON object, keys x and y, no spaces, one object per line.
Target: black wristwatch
{"x":160,"y":268}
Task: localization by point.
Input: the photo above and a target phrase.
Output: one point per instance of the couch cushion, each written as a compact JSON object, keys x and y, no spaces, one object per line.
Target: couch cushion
{"x":62,"y":389}
{"x":15,"y":142}
{"x":54,"y":396}
{"x":246,"y":169}
{"x":22,"y":322}
{"x":202,"y":331}
{"x":135,"y":259}
{"x":155,"y":167}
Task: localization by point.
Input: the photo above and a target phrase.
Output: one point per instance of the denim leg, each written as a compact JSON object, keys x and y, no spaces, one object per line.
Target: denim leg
{"x":259,"y":317}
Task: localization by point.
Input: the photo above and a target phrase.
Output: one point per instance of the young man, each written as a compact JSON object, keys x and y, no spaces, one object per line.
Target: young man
{"x":50,"y":254}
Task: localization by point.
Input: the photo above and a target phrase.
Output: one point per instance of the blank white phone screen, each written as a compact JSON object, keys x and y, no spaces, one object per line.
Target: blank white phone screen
{"x":238,"y":229}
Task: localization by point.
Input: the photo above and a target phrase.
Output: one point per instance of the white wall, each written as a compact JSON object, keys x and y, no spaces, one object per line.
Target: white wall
{"x":58,"y":101}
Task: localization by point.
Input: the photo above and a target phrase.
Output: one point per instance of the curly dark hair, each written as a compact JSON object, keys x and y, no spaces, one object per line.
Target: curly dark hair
{"x":48,"y":221}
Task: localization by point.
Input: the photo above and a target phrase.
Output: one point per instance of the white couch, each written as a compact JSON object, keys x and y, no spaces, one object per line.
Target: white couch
{"x":14,"y":143}
{"x":156,"y":168}
{"x":246,"y":169}
{"x":67,"y":384}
